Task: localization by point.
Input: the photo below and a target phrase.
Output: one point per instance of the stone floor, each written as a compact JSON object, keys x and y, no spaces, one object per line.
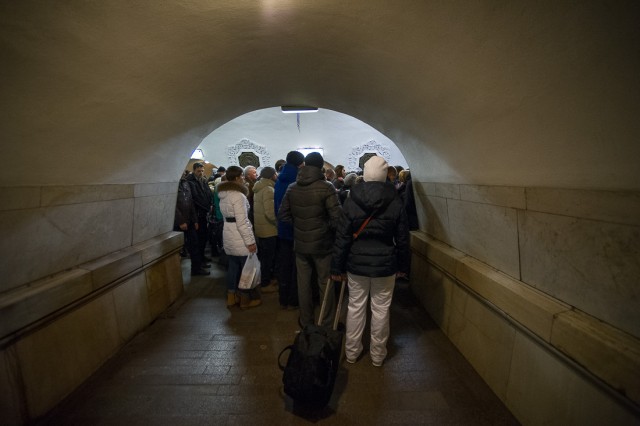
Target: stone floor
{"x":203,"y":364}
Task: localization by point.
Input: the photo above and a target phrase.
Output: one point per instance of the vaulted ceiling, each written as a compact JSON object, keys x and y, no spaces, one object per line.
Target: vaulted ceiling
{"x":489,"y":92}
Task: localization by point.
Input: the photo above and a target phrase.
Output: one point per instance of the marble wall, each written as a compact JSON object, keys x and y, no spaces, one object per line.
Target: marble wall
{"x":548,"y":362}
{"x":47,"y":229}
{"x":56,"y":332}
{"x":579,"y":246}
{"x":548,"y":280}
{"x":84,"y":268}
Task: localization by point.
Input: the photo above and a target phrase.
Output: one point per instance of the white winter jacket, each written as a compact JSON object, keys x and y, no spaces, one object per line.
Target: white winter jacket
{"x":236,"y":235}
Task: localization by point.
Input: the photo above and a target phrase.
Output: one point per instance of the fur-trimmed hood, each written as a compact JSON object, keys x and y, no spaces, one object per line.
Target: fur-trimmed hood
{"x":232,"y":186}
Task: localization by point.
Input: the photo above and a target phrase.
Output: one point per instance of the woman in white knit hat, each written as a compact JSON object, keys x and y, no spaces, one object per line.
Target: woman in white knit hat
{"x":371,"y":249}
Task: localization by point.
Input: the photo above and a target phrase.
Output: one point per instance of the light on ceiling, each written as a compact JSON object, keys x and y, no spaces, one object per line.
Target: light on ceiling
{"x":298,"y":109}
{"x":307,"y":151}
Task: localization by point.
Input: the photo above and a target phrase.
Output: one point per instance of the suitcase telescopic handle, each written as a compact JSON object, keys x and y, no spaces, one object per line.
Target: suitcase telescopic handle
{"x":326,"y":298}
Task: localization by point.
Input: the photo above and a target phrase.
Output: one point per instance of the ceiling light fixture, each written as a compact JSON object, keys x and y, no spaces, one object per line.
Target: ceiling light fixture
{"x":298,"y":109}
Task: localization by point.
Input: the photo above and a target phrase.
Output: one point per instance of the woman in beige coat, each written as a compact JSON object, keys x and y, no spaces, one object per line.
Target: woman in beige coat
{"x":265,"y":227}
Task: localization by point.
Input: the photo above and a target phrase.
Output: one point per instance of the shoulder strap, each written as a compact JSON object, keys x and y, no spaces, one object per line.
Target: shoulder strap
{"x":367,"y":220}
{"x":365,"y":223}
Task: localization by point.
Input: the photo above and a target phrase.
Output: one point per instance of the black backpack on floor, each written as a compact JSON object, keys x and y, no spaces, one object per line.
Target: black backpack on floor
{"x":311,"y":369}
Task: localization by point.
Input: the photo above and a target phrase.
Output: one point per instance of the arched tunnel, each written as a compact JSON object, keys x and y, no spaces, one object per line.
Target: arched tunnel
{"x":518,"y":120}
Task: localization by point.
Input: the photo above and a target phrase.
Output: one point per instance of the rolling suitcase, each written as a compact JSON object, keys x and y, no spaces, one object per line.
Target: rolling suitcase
{"x":310,"y":372}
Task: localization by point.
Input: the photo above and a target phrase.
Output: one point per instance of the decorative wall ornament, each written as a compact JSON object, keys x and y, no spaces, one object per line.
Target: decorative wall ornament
{"x":364,"y":152}
{"x":248,"y":158}
{"x":246,"y":152}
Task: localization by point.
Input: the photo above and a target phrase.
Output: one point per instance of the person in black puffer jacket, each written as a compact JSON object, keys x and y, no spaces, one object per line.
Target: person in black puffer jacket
{"x":311,"y":204}
{"x":371,"y":249}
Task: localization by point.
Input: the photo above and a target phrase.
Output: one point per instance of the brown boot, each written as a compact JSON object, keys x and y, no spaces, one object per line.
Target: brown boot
{"x":247,"y":302}
{"x":232,"y":299}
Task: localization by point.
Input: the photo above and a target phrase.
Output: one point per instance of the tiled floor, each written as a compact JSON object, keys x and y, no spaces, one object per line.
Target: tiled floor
{"x":203,"y":364}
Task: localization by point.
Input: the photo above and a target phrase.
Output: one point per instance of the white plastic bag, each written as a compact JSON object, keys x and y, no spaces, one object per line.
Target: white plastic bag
{"x":250,"y":277}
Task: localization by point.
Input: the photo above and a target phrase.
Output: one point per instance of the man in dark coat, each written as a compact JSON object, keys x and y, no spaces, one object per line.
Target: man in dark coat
{"x":186,"y":220}
{"x":203,"y":201}
{"x":372,"y":248}
{"x":312,"y":205}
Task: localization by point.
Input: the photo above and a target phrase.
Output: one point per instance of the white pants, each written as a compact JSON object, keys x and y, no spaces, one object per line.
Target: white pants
{"x":381,"y":291}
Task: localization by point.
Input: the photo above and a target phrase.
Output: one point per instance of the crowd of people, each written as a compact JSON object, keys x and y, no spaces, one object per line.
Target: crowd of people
{"x":308,"y":225}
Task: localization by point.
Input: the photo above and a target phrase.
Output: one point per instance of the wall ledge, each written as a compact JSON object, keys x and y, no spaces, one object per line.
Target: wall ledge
{"x":609,"y":354}
{"x":32,"y":303}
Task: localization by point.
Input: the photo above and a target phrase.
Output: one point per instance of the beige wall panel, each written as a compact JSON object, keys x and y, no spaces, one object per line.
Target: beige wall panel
{"x":488,"y":233}
{"x":173,"y":268}
{"x":131,"y":303}
{"x":39,"y":242}
{"x":113,"y":266}
{"x":156,"y":247}
{"x":506,"y":196}
{"x":439,"y":293}
{"x":158,"y":291}
{"x":608,"y":206}
{"x":591,"y":265}
{"x":609,"y":353}
{"x":149,"y":189}
{"x":26,"y":305}
{"x":447,"y":190}
{"x":153,"y":215}
{"x":457,"y":320}
{"x":444,"y":256}
{"x":530,"y":307}
{"x":480,"y":328}
{"x":436,"y":218}
{"x":18,"y":198}
{"x":420,"y":193}
{"x":52,"y":360}
{"x":12,"y":411}
{"x":544,"y":391}
{"x":77,"y":194}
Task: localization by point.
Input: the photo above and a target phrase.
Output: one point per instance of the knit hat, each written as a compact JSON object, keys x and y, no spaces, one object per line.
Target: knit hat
{"x":267,"y":173}
{"x":314,"y":159}
{"x":295,"y":158}
{"x":375,"y":169}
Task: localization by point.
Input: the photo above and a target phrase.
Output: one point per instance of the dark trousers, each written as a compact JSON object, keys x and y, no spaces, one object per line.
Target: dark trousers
{"x":215,"y":237}
{"x":191,"y":244}
{"x":203,"y":233}
{"x":287,"y":274}
{"x":267,"y":255}
{"x":314,"y":269}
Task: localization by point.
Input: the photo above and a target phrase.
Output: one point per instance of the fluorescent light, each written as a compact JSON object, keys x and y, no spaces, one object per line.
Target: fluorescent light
{"x":307,"y":151}
{"x":198,"y":154}
{"x":298,"y":109}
